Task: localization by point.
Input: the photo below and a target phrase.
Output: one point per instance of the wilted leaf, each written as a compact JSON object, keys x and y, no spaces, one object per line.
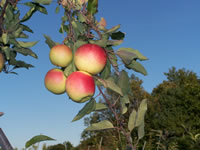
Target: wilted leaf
{"x":92,"y":7}
{"x":88,"y":108}
{"x":44,"y":2}
{"x":102,"y":23}
{"x":123,"y":82}
{"x":136,"y":66}
{"x":36,"y":139}
{"x":105,"y":124}
{"x":118,"y":35}
{"x":100,"y":106}
{"x":49,"y":42}
{"x":27,"y":44}
{"x":141,"y":112}
{"x":132,"y":120}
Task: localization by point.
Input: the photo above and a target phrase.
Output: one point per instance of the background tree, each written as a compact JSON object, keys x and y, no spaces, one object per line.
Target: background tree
{"x":174,"y":113}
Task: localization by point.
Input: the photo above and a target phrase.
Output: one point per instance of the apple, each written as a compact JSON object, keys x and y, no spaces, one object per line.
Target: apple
{"x":60,"y":55}
{"x":80,"y":86}
{"x":2,"y":61}
{"x":90,"y":58}
{"x":55,"y":81}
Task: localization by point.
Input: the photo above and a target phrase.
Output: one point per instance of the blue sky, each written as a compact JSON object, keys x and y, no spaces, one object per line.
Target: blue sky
{"x":165,"y":31}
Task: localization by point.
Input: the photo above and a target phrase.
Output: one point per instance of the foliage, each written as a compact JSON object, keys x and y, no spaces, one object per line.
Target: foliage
{"x":12,"y":30}
{"x":174,"y":111}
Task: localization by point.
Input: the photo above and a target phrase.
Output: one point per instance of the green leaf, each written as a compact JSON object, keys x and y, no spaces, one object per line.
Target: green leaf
{"x":136,"y":66}
{"x":128,"y":54}
{"x":5,"y":37}
{"x":101,"y":43}
{"x":88,"y":108}
{"x":92,"y":7}
{"x":44,"y":2}
{"x":141,"y":112}
{"x":113,"y":29}
{"x":141,"y":131}
{"x":25,"y":51}
{"x":100,"y":106}
{"x":105,"y":124}
{"x":49,"y":42}
{"x":78,"y":26}
{"x":79,"y":43}
{"x":118,"y":35}
{"x":19,"y":64}
{"x":110,"y":83}
{"x":57,"y":10}
{"x":27,"y":44}
{"x":81,"y":17}
{"x":132,"y":120}
{"x":106,"y":71}
{"x":68,"y":70}
{"x":123,"y":82}
{"x":6,"y":50}
{"x":115,"y":42}
{"x":26,"y":28}
{"x":29,"y":14}
{"x":36,"y":139}
{"x":124,"y":100}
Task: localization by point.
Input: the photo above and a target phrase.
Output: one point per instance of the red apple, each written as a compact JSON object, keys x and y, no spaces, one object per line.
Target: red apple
{"x":60,"y":55}
{"x":2,"y":61}
{"x":90,"y":58}
{"x":80,"y":86}
{"x":55,"y":81}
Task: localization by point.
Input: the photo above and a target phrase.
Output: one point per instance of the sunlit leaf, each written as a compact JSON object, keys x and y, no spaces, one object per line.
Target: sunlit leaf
{"x":5,"y":37}
{"x":113,"y":29}
{"x":27,"y":44}
{"x":49,"y":42}
{"x":36,"y":139}
{"x":141,"y":112}
{"x":141,"y":131}
{"x":105,"y":124}
{"x":114,"y":42}
{"x":132,"y":120}
{"x":88,"y":108}
{"x":100,"y":106}
{"x":92,"y":7}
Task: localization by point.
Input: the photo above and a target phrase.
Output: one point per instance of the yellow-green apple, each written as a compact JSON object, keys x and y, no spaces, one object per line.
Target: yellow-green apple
{"x":55,"y":81}
{"x":90,"y":58}
{"x":80,"y":86}
{"x":2,"y":61}
{"x":60,"y":55}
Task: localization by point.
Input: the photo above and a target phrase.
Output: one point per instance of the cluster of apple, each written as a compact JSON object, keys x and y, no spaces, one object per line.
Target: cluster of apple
{"x":89,"y":59}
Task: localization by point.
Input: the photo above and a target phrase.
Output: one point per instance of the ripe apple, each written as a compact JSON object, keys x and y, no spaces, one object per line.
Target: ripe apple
{"x":80,"y":86}
{"x":90,"y":58}
{"x":2,"y":61}
{"x":55,"y":81}
{"x":60,"y":55}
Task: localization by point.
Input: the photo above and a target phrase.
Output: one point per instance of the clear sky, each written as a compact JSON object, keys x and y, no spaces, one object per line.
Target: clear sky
{"x":165,"y":31}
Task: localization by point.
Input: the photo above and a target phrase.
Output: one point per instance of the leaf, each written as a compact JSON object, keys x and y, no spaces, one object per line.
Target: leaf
{"x":132,"y":120}
{"x":19,"y":64}
{"x":100,"y":106}
{"x":88,"y":108}
{"x":110,"y":83}
{"x":118,"y":35}
{"x":57,"y":10}
{"x":136,"y":66}
{"x":25,"y":51}
{"x":141,"y":131}
{"x":123,"y":82}
{"x":6,"y":50}
{"x":106,"y":71}
{"x":36,"y":139}
{"x":92,"y":7}
{"x":102,"y":23}
{"x":26,"y":28}
{"x":141,"y":112}
{"x":5,"y":37}
{"x":29,"y":14}
{"x":81,"y":17}
{"x":27,"y":44}
{"x":49,"y":42}
{"x":105,"y":124}
{"x":130,"y":54}
{"x":44,"y":2}
{"x":113,"y":29}
{"x":124,"y":100}
{"x":68,"y":70}
{"x":115,"y":42}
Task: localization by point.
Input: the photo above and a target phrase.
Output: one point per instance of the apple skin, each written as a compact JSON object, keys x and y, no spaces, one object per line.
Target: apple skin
{"x":60,"y":55}
{"x":90,"y":58}
{"x":55,"y":81}
{"x":2,"y":61}
{"x":80,"y":86}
